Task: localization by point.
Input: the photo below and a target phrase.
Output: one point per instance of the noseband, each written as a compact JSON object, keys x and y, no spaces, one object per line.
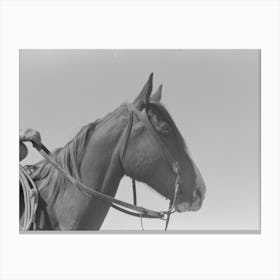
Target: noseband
{"x":120,"y":205}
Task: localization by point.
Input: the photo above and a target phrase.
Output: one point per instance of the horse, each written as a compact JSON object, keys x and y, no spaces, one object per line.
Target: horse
{"x":103,"y":152}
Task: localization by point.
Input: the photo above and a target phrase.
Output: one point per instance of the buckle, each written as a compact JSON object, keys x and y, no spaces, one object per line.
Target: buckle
{"x":176,"y":167}
{"x":165,"y":215}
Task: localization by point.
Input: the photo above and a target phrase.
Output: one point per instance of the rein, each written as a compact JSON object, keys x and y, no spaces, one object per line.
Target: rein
{"x":137,"y":211}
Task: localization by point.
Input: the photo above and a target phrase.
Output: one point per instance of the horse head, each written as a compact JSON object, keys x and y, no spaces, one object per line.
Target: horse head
{"x":145,"y":161}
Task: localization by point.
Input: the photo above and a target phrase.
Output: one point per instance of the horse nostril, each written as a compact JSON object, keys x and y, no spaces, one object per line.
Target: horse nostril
{"x":198,"y":193}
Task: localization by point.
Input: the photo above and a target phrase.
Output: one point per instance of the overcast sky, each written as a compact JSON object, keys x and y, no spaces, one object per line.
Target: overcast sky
{"x":212,"y":95}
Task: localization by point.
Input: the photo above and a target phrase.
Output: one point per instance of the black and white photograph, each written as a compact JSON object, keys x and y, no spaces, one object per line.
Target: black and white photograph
{"x":161,"y":140}
{"x":139,"y":140}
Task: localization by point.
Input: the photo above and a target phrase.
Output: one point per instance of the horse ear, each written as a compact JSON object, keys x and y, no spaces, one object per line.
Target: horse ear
{"x":144,"y":96}
{"x":156,"y":97}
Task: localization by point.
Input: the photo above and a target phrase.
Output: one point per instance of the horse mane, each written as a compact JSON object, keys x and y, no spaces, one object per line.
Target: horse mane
{"x":68,"y":157}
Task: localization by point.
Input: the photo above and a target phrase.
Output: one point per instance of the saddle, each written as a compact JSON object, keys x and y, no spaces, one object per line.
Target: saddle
{"x":28,"y":199}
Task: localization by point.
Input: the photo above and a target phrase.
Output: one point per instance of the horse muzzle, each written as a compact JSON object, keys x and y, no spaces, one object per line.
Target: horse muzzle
{"x":194,"y":205}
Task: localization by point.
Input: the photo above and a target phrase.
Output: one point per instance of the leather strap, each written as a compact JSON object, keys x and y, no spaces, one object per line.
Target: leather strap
{"x":126,"y":137}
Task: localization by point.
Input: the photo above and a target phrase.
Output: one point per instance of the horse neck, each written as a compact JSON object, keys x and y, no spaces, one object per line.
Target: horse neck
{"x":101,"y":167}
{"x":100,"y":170}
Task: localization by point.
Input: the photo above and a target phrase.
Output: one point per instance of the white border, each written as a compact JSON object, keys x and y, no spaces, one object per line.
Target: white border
{"x":157,"y":24}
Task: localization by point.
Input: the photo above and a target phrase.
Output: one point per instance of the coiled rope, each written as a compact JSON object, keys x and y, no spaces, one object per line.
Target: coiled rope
{"x":30,"y":195}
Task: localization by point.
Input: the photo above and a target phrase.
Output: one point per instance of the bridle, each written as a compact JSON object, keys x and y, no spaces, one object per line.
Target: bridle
{"x":134,"y":111}
{"x":120,"y":205}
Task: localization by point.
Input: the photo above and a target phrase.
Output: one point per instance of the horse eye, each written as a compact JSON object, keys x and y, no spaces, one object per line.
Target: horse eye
{"x":161,"y":126}
{"x":164,"y":128}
